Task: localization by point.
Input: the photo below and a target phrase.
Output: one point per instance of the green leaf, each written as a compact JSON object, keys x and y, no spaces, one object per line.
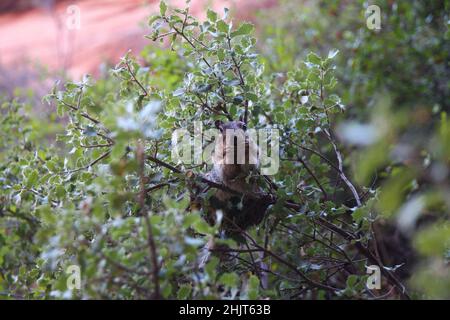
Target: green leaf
{"x":313,"y":58}
{"x":212,"y":16}
{"x":434,"y":240}
{"x":359,"y":214}
{"x":245,"y":28}
{"x":351,"y":280}
{"x":60,"y":191}
{"x":32,"y":178}
{"x":153,"y":19}
{"x":229,"y":279}
{"x":184,"y":291}
{"x":222,"y":26}
{"x":167,"y":290}
{"x":190,"y":219}
{"x":211,"y":266}
{"x":253,"y":287}
{"x":233,"y":110}
{"x":201,"y":227}
{"x":221,"y":54}
{"x":162,"y":8}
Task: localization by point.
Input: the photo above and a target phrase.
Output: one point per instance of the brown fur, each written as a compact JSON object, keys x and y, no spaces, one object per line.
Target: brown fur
{"x":239,"y":213}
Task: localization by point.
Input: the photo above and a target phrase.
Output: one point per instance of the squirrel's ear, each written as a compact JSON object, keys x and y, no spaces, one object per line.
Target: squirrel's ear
{"x":218,"y":124}
{"x":241,"y":118}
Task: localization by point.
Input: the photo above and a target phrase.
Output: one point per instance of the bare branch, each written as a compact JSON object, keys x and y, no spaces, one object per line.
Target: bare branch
{"x":135,"y":79}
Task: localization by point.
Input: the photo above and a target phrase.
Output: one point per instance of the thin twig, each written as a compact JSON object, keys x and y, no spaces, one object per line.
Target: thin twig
{"x":341,"y":170}
{"x":93,"y":163}
{"x":96,"y":146}
{"x":135,"y":79}
{"x":83,"y":114}
{"x":314,"y":177}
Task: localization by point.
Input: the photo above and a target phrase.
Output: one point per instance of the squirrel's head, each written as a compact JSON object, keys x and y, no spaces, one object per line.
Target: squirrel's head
{"x":234,"y":125}
{"x":236,"y":153}
{"x":233,"y":134}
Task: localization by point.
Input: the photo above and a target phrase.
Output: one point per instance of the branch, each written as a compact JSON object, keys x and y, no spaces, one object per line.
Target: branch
{"x":292,"y":205}
{"x":241,"y":79}
{"x":202,"y":57}
{"x":83,"y":114}
{"x":288,"y":264}
{"x":202,"y":179}
{"x":339,"y":169}
{"x":96,"y":146}
{"x":144,"y":214}
{"x":355,"y":241}
{"x":367,"y":253}
{"x":103,"y":156}
{"x":135,"y":79}
{"x":341,"y":172}
{"x":314,"y":177}
{"x":316,"y":153}
{"x":160,"y":185}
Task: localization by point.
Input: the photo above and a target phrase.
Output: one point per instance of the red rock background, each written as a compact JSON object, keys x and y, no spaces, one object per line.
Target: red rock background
{"x":36,"y":32}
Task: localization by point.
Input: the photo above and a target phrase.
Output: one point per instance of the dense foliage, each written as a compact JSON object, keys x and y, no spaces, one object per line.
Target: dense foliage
{"x":363,"y":177}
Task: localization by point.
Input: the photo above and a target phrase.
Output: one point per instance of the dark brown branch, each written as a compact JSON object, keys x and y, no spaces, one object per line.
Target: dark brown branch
{"x":110,"y":140}
{"x":202,"y":179}
{"x":96,"y":146}
{"x":289,"y":265}
{"x":93,"y":163}
{"x":135,"y":79}
{"x":83,"y":114}
{"x":355,"y":241}
{"x":368,"y":254}
{"x":163,"y":164}
{"x":339,"y":169}
{"x":160,"y":185}
{"x":314,"y":177}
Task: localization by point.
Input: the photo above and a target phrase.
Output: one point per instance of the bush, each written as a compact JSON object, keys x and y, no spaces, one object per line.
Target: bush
{"x":106,"y":196}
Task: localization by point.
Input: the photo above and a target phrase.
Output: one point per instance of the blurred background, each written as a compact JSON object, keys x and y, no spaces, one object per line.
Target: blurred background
{"x":37,"y":34}
{"x":40,"y":38}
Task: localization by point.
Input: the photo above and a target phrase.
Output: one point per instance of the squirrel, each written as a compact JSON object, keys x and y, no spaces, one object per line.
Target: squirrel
{"x":236,"y":170}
